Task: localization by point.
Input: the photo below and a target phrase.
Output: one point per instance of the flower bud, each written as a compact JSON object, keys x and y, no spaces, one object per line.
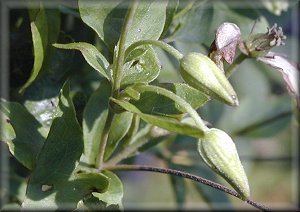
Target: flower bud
{"x":258,"y":45}
{"x":200,"y":72}
{"x":219,"y":152}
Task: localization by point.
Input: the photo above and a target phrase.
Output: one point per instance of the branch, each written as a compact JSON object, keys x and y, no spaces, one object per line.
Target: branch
{"x":188,"y":176}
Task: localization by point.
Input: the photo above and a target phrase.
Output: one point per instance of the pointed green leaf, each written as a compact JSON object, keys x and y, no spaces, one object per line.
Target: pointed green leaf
{"x":167,"y":123}
{"x":22,"y":132}
{"x":53,"y":183}
{"x":94,"y":117}
{"x":120,"y":126}
{"x":39,"y":30}
{"x":106,"y":18}
{"x":91,"y":55}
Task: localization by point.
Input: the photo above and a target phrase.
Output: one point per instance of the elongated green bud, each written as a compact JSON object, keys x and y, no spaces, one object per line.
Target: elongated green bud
{"x":219,"y":152}
{"x":200,"y":72}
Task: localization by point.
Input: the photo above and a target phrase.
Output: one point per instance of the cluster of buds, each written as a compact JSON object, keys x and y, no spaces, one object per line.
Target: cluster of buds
{"x":258,"y":45}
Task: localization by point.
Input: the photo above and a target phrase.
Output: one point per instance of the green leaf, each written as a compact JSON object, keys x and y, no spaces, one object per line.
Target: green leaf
{"x":167,"y":123}
{"x":148,"y":21}
{"x":91,"y":55}
{"x":22,"y":133}
{"x":45,"y":27}
{"x":39,"y":30}
{"x":157,"y":104}
{"x":94,"y":117}
{"x":106,"y":18}
{"x":53,"y":183}
{"x":114,"y":193}
{"x":120,"y":126}
{"x":143,"y":67}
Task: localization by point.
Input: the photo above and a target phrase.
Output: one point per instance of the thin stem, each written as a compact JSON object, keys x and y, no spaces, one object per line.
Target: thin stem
{"x":187,"y":176}
{"x":121,"y":52}
{"x":103,"y":140}
{"x":262,"y":123}
{"x":235,"y":64}
{"x":181,"y":102}
{"x":184,"y":10}
{"x":168,"y":48}
{"x":137,"y":141}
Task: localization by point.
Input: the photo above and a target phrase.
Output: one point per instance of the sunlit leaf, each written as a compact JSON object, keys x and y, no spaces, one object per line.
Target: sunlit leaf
{"x":45,"y":26}
{"x":39,"y":30}
{"x":91,"y":55}
{"x":94,"y":117}
{"x":53,"y":183}
{"x":120,"y":126}
{"x":107,"y":19}
{"x":22,"y":133}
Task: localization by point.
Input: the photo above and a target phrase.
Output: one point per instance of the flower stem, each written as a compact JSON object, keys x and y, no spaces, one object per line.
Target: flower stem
{"x":103,"y":140}
{"x":168,"y":48}
{"x":117,"y":74}
{"x":187,"y":176}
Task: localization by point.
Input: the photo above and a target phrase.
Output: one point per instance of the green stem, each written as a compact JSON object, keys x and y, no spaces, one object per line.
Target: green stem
{"x":168,"y":48}
{"x":103,"y":140}
{"x":121,"y":52}
{"x":187,"y":176}
{"x":184,"y":10}
{"x":235,"y":64}
{"x":181,"y":102}
{"x":137,"y":141}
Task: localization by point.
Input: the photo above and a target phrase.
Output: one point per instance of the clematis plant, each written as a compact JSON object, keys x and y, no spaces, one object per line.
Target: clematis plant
{"x":74,"y":137}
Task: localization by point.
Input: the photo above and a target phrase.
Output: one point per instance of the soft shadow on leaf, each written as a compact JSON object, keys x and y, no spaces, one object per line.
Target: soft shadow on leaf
{"x":22,"y":133}
{"x":94,"y":117}
{"x":53,"y":183}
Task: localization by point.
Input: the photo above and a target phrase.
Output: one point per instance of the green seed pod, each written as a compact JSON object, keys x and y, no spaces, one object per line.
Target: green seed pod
{"x":219,"y":152}
{"x":200,"y":72}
